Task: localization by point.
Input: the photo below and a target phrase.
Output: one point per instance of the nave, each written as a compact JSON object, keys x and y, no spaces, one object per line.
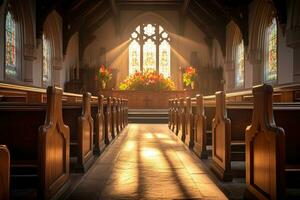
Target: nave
{"x":147,"y":161}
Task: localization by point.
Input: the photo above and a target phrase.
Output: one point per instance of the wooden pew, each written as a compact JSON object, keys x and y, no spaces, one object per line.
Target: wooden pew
{"x":118,"y":118}
{"x":78,"y":117}
{"x":188,"y":123}
{"x":99,"y":126}
{"x":170,"y":113}
{"x":4,"y":172}
{"x":181,"y":120}
{"x":107,"y":121}
{"x":113,"y":123}
{"x":272,"y":155}
{"x":41,"y":159}
{"x":174,"y":115}
{"x":198,"y":135}
{"x":126,"y":112}
{"x":121,"y":115}
{"x":221,"y":139}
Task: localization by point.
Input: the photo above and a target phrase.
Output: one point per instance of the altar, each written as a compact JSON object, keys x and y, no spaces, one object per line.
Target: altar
{"x":148,"y":99}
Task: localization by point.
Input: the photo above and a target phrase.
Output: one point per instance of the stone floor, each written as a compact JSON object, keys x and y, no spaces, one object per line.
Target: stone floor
{"x":147,"y":162}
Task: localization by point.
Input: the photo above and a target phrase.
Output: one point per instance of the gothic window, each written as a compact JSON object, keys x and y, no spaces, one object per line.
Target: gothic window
{"x":149,"y":49}
{"x":46,"y":62}
{"x":239,"y":65}
{"x":10,"y":46}
{"x":271,"y":52}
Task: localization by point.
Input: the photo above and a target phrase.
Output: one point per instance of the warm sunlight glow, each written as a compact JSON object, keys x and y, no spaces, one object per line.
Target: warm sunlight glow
{"x":149,"y":49}
{"x":149,"y":152}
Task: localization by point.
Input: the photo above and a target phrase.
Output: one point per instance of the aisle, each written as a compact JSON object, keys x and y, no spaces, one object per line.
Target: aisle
{"x":147,"y":162}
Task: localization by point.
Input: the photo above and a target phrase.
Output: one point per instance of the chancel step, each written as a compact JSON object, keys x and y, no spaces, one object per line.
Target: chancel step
{"x":148,"y":116}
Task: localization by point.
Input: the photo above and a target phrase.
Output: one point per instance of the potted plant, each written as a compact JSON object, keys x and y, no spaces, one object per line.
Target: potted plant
{"x":104,"y":75}
{"x":189,"y":76}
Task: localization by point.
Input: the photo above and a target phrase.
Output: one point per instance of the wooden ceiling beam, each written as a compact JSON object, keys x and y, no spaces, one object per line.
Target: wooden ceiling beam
{"x":185,"y":6}
{"x":114,"y":7}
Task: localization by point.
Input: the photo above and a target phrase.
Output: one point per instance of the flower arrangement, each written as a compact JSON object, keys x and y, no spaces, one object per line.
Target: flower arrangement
{"x":189,"y":76}
{"x":104,"y":75}
{"x":148,"y":80}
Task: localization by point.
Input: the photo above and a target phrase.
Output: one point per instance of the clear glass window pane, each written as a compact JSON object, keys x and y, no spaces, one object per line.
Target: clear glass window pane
{"x":149,"y":30}
{"x":164,"y":58}
{"x":134,"y":57}
{"x":149,"y":55}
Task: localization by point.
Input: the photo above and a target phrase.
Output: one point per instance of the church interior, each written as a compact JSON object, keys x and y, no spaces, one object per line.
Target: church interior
{"x":149,"y":99}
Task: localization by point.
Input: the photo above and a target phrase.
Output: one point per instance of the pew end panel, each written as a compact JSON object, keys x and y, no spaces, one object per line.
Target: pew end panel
{"x":265,"y":146}
{"x":175,"y":116}
{"x":54,"y":146}
{"x":221,"y":140}
{"x":189,"y":125}
{"x":288,"y":118}
{"x":99,"y":139}
{"x":182,"y":120}
{"x":107,"y":119}
{"x":4,"y":172}
{"x":85,"y":157}
{"x":199,"y":132}
{"x":170,"y":113}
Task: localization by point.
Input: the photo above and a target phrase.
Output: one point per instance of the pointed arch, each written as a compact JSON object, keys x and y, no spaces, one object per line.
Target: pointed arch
{"x":235,"y":55}
{"x":52,"y":31}
{"x":264,"y":13}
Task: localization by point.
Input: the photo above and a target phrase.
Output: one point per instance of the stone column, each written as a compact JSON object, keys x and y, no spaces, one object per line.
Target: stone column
{"x":56,"y":70}
{"x":229,"y":75}
{"x":29,"y":57}
{"x":255,"y":59}
{"x":293,"y":35}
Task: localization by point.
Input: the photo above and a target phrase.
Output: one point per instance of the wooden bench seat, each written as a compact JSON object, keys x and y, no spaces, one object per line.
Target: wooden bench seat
{"x":272,"y":153}
{"x":78,"y":118}
{"x":97,"y":112}
{"x":34,"y":160}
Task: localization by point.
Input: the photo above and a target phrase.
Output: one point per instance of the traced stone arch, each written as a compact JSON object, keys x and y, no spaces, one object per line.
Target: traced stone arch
{"x":262,"y":16}
{"x":148,"y":17}
{"x":28,"y":37}
{"x":233,"y":38}
{"x":52,"y":30}
{"x":22,"y":12}
{"x":217,"y":54}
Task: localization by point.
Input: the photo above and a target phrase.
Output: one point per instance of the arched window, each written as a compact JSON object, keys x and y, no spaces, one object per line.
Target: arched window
{"x":149,"y":49}
{"x":10,"y":46}
{"x":46,"y":62}
{"x":239,"y":65}
{"x":271,"y":52}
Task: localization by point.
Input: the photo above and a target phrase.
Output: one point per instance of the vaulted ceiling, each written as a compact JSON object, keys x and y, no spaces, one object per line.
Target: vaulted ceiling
{"x":211,"y":16}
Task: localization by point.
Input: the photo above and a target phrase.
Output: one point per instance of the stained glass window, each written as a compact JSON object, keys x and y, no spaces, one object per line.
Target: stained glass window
{"x":149,"y":49}
{"x":134,"y":57}
{"x":10,"y":46}
{"x":271,"y":53}
{"x":164,"y":55}
{"x":239,"y":65}
{"x":149,"y":57}
{"x":46,"y":62}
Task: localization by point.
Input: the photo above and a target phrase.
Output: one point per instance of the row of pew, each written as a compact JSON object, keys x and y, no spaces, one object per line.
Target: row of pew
{"x":261,"y":131}
{"x":46,"y":135}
